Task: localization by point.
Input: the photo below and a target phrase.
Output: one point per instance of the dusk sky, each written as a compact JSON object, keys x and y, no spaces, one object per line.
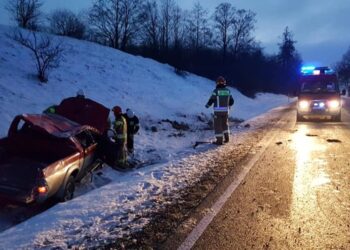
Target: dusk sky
{"x":321,"y":27}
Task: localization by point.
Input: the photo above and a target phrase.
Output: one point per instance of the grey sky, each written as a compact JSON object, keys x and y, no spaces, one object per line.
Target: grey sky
{"x":321,"y":27}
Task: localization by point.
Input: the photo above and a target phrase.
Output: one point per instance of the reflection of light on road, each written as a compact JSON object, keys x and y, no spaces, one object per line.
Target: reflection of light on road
{"x":303,"y":147}
{"x":317,"y":213}
{"x":309,"y":168}
{"x":320,"y":180}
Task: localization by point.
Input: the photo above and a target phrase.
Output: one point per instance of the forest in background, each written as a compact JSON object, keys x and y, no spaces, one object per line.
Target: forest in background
{"x":208,"y":43}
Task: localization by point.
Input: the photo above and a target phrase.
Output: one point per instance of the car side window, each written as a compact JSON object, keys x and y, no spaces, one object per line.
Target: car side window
{"x":23,"y":126}
{"x":86,"y":138}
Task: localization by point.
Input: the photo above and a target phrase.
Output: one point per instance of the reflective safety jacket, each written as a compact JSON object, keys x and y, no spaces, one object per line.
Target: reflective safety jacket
{"x":120,"y":129}
{"x":133,"y":124}
{"x":221,"y":98}
{"x":50,"y":110}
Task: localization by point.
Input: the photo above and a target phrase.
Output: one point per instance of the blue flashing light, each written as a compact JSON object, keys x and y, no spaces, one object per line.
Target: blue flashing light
{"x":308,"y":70}
{"x":329,"y":72}
{"x":312,"y":70}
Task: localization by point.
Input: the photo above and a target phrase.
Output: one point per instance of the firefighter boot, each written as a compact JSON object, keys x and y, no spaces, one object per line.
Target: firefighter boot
{"x":218,"y":141}
{"x":227,"y":137}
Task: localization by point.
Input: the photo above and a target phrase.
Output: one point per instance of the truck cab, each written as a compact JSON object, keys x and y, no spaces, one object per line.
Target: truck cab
{"x":319,"y":94}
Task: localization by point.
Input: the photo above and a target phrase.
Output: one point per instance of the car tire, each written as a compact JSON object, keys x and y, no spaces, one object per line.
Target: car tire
{"x":69,"y":189}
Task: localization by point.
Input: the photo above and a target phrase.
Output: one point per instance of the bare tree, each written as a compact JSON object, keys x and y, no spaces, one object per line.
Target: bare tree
{"x":199,"y":32}
{"x":224,"y":18}
{"x":130,"y":13}
{"x":105,"y":21}
{"x":166,"y":11}
{"x":243,"y":25}
{"x":115,"y":22}
{"x":65,"y":23}
{"x":47,"y":52}
{"x":150,"y":25}
{"x":26,"y":13}
{"x":178,"y":27}
{"x":343,"y":68}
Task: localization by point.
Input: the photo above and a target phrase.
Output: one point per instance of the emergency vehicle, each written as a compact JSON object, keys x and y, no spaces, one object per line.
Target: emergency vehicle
{"x":319,"y":96}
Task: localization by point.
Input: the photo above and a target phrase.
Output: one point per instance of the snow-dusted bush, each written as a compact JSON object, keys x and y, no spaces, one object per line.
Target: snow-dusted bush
{"x":46,"y":50}
{"x":65,"y":23}
{"x":25,"y":13}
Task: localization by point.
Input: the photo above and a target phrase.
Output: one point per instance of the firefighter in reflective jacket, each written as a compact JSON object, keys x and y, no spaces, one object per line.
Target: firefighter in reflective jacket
{"x":133,"y":125}
{"x":120,"y":137}
{"x":222,"y":100}
{"x":50,"y":110}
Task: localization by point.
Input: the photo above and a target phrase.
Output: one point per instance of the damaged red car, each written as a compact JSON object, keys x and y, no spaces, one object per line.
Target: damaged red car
{"x":44,"y":155}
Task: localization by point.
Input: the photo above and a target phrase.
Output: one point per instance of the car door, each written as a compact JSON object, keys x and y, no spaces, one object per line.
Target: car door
{"x":88,"y":140}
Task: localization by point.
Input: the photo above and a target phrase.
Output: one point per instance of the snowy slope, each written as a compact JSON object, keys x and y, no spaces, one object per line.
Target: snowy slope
{"x":112,"y":77}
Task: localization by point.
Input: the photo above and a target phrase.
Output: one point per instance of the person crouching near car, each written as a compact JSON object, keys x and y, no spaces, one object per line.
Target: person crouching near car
{"x":120,"y":137}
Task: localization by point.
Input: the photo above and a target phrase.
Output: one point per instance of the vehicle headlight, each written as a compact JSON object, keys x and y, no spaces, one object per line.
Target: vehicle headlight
{"x":303,"y":105}
{"x":334,"y":104}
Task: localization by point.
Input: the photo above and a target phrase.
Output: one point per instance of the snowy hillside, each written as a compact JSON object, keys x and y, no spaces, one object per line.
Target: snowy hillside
{"x":111,"y":77}
{"x":155,"y":93}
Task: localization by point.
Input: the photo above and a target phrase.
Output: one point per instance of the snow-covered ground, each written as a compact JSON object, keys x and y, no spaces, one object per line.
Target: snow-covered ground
{"x":156,"y":94}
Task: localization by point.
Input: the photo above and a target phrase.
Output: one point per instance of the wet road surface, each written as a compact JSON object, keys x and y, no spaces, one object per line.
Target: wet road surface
{"x":296,"y":196}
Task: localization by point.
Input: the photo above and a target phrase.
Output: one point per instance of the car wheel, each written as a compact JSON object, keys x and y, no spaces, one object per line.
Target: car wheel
{"x":68,"y":190}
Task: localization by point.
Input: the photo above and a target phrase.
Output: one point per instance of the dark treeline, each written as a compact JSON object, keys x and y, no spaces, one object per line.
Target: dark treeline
{"x":343,"y":68}
{"x":206,"y":43}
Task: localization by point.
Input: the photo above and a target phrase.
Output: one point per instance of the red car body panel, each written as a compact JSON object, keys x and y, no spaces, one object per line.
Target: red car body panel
{"x":85,"y":111}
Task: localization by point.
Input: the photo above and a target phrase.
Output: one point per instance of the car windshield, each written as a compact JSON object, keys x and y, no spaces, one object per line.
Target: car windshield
{"x":316,"y":87}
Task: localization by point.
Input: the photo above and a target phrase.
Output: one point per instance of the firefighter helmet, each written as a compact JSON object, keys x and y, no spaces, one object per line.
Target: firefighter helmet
{"x":80,"y":93}
{"x":130,"y":113}
{"x":220,"y":80}
{"x":117,"y":110}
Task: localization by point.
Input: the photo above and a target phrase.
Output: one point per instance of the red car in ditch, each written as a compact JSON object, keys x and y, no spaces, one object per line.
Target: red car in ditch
{"x":44,"y":155}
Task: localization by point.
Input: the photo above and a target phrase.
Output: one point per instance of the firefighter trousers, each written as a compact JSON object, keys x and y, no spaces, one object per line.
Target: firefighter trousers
{"x":121,"y":155}
{"x":221,"y":127}
{"x":130,"y":143}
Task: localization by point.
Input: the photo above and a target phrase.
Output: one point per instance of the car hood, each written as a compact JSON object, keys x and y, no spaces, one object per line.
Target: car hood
{"x":85,"y":112}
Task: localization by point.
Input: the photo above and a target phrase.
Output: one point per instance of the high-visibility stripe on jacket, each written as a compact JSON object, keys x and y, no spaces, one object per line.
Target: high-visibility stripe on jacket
{"x":120,"y":129}
{"x":50,"y":110}
{"x":221,"y":98}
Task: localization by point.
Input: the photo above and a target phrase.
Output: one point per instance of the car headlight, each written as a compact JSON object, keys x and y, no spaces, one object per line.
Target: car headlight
{"x":303,"y":105}
{"x":334,"y":104}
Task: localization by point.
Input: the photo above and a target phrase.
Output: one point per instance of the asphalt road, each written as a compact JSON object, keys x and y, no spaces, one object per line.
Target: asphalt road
{"x":296,"y":194}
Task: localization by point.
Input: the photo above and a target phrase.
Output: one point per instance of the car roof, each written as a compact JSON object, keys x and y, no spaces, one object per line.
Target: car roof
{"x":55,"y":125}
